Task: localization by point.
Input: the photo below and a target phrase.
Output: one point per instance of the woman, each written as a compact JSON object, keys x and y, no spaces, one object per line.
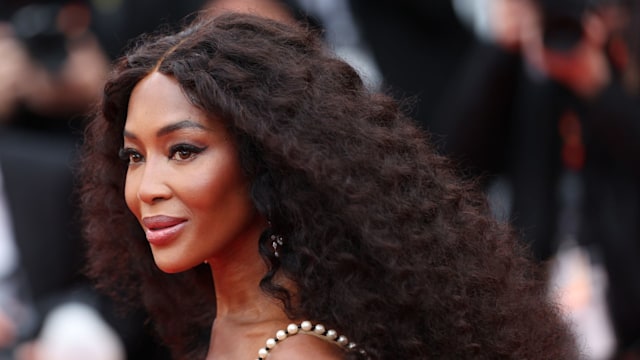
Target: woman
{"x":273,"y":188}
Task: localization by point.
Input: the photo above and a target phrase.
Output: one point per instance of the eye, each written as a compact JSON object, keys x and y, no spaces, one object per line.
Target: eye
{"x":130,"y":155}
{"x":183,"y":152}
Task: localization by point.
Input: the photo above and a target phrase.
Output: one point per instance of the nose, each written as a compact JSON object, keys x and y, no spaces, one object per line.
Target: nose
{"x":153,"y":185}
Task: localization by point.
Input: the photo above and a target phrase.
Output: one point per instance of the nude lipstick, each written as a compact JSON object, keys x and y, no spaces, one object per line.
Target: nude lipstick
{"x":162,"y":229}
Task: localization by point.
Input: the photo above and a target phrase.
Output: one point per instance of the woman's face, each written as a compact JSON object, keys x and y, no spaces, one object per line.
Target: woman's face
{"x":184,"y":182}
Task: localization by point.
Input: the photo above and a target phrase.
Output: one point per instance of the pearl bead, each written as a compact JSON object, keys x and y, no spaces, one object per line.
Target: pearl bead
{"x":332,"y":334}
{"x":306,"y":325}
{"x":292,"y":329}
{"x":343,"y":340}
{"x":281,"y":335}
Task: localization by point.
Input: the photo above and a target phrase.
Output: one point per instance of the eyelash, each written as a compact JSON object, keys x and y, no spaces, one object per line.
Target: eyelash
{"x":191,"y":150}
{"x":127,"y":154}
{"x":131,"y":155}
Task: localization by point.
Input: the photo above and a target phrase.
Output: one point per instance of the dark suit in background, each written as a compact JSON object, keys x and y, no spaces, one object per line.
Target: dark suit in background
{"x":38,"y":184}
{"x":418,"y":46}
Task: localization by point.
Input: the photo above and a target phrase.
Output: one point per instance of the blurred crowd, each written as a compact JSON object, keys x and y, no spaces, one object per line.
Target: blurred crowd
{"x":539,"y":100}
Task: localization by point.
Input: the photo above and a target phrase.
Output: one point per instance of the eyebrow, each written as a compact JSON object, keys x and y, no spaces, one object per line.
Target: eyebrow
{"x":184,"y":124}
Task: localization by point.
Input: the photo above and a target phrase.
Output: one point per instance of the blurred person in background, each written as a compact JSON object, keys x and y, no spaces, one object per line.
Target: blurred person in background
{"x":417,"y":46}
{"x":55,"y":56}
{"x":548,"y":105}
{"x":49,"y":71}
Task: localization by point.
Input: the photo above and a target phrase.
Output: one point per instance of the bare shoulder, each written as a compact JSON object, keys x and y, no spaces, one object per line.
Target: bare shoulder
{"x":305,"y":346}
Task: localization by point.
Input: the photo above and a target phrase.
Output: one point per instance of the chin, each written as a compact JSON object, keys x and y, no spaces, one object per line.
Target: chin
{"x":171,"y":267}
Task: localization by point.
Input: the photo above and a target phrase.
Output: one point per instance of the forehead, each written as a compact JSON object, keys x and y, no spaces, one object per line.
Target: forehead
{"x":158,"y":100}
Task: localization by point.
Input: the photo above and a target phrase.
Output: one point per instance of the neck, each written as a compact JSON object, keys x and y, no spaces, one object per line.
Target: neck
{"x":245,"y":315}
{"x":236,"y":276}
{"x":238,"y":293}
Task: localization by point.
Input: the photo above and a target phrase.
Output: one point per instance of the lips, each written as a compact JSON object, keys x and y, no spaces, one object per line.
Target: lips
{"x":161,"y":229}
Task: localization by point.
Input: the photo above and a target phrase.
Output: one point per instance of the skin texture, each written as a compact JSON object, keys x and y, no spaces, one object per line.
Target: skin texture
{"x":191,"y":173}
{"x":382,"y":241}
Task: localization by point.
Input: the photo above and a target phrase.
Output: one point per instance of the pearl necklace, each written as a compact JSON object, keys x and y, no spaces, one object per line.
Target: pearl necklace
{"x":306,"y":327}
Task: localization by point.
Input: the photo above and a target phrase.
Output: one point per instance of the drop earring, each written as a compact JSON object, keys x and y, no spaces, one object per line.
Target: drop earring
{"x":276,"y":241}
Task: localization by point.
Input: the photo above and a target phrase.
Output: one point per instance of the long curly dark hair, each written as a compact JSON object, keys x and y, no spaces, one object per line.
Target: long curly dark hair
{"x":383,"y":241}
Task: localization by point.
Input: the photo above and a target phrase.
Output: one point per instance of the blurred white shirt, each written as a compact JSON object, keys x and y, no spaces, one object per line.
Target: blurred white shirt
{"x":8,"y":250}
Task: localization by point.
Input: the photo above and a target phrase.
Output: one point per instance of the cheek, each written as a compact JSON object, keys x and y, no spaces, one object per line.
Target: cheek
{"x":222,"y":189}
{"x":207,"y":192}
{"x":130,"y":194}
